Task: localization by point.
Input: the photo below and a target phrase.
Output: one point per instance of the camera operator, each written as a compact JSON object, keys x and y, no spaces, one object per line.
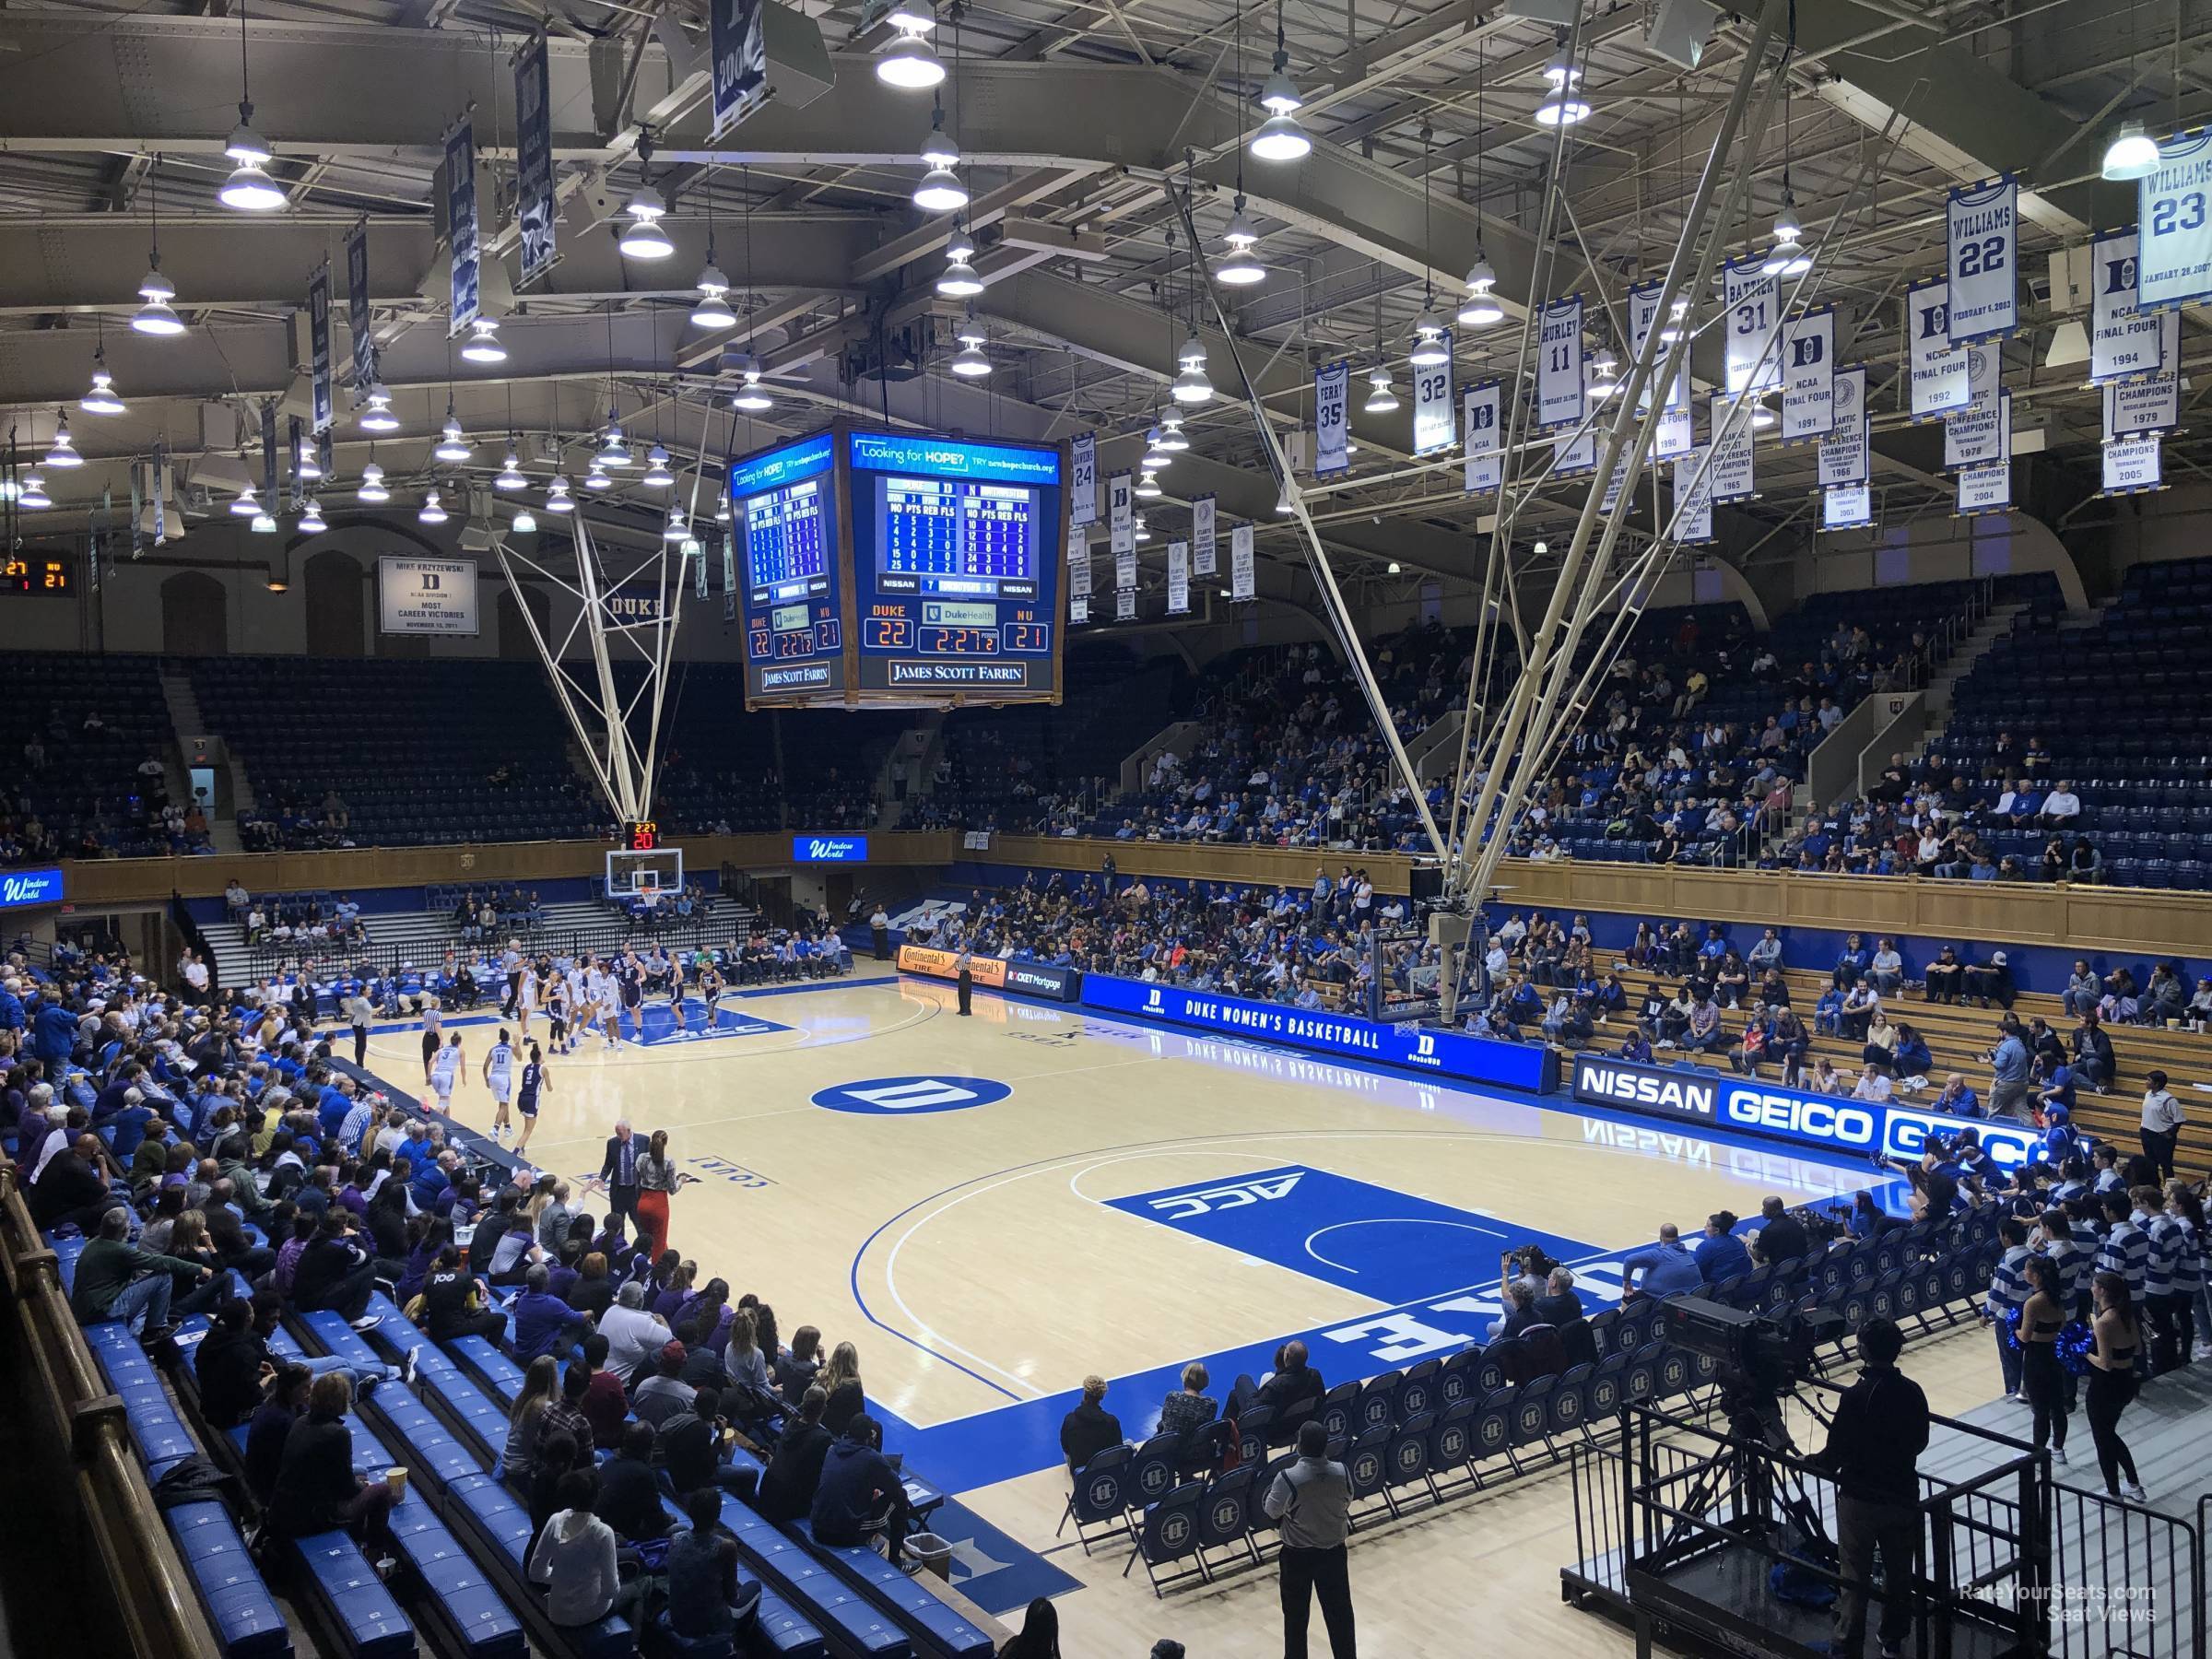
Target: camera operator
{"x":1874,"y":1446}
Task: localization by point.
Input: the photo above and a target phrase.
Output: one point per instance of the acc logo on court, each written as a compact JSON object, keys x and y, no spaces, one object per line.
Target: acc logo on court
{"x":907,"y":1097}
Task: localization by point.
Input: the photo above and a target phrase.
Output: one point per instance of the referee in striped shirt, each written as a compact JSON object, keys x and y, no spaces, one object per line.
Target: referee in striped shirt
{"x":2009,"y":1293}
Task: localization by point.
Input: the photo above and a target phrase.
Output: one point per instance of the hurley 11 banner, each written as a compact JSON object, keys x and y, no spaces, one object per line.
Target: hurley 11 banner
{"x":1559,"y":392}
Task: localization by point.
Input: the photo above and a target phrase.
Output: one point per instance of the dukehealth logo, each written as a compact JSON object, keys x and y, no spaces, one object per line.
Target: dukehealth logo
{"x":31,"y":886}
{"x":830,"y":849}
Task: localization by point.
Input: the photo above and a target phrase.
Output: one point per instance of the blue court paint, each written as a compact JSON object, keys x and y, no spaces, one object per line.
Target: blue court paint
{"x":660,"y":1025}
{"x":911,"y":1096}
{"x":988,"y":1568}
{"x":827,"y":985}
{"x":1388,"y":1245}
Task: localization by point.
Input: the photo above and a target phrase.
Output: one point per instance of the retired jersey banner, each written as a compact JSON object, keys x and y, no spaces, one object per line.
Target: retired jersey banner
{"x":1939,"y":372}
{"x":1983,"y":224}
{"x":1333,"y":419}
{"x":1692,"y":523}
{"x":2174,"y":225}
{"x":2133,"y":465}
{"x":1559,"y":390}
{"x":1754,"y":325}
{"x":1479,"y":407}
{"x":1732,"y":477}
{"x":461,"y":225}
{"x":1433,"y":427}
{"x":1178,"y":579}
{"x":1847,"y":452}
{"x":2123,"y":342}
{"x":1980,"y":434}
{"x":1846,"y":507}
{"x":1120,"y":515}
{"x":1985,"y":490}
{"x":1571,"y":456}
{"x":356,"y":310}
{"x":1240,"y":585}
{"x":321,"y":395}
{"x":1083,"y":480}
{"x":536,"y":207}
{"x":1644,"y":313}
{"x":1808,"y":359}
{"x":1202,"y":535}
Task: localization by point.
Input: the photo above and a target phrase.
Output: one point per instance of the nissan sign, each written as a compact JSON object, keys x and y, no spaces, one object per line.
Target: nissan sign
{"x":830,"y":849}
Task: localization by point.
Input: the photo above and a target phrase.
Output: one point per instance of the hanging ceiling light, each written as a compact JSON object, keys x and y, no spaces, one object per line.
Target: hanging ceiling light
{"x":156,"y":316}
{"x":1148,"y":486}
{"x":678,"y":528}
{"x":911,"y":16}
{"x":510,"y":473}
{"x":1156,"y":455}
{"x":1280,"y":138}
{"x":377,"y":417}
{"x":373,"y":488}
{"x":306,"y":465}
{"x":1171,"y":438}
{"x":911,"y":64}
{"x":2133,"y":154}
{"x":613,"y":450}
{"x":751,"y":397}
{"x":960,"y":279}
{"x":311,"y":519}
{"x":596,"y":478}
{"x":722,"y":507}
{"x":249,"y":188}
{"x":1240,"y":267}
{"x":657,"y":475}
{"x":101,"y":398}
{"x":431,"y":513}
{"x":1141,"y":532}
{"x":558,"y":499}
{"x":1429,"y":346}
{"x":940,"y":190}
{"x":1789,"y":256}
{"x":524,"y":524}
{"x":1607,"y":368}
{"x":247,"y":505}
{"x":713,"y":308}
{"x":1565,"y":105}
{"x":1381,"y":399}
{"x":32,"y":493}
{"x":1191,"y":385}
{"x":1676,"y":314}
{"x":969,"y":362}
{"x":264,"y":524}
{"x":1481,"y":308}
{"x":62,"y":455}
{"x":643,"y":238}
{"x":452,"y":444}
{"x":483,"y":341}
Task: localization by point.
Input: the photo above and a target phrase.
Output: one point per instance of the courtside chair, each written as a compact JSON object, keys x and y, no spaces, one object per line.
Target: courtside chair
{"x":1225,"y":1516}
{"x":1265,"y":1528}
{"x":1452,"y":1448}
{"x":1407,"y":1459}
{"x":1100,"y":1496}
{"x":1605,"y":1332}
{"x":1459,"y":1378}
{"x":1418,"y":1392}
{"x":1570,"y":1404}
{"x":1339,"y":1409}
{"x":1207,"y":1448}
{"x":1152,"y":1470}
{"x":1283,"y":1431}
{"x":1489,"y":1369}
{"x":1367,"y":1473}
{"x":1255,"y":1428}
{"x":1579,"y":1343}
{"x":1168,"y":1534}
{"x":1377,"y":1406}
{"x":1532,"y":1420}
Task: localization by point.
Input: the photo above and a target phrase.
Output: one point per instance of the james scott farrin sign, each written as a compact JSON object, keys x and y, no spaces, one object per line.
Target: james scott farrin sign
{"x":830,"y":849}
{"x":1719,"y":1102}
{"x":20,"y":887}
{"x":1445,"y":1053}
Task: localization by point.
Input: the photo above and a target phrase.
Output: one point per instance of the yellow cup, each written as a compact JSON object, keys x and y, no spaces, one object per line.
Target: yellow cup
{"x":397,"y":1480}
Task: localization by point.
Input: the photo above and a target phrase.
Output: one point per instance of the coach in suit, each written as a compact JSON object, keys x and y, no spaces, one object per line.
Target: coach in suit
{"x":618,"y":1170}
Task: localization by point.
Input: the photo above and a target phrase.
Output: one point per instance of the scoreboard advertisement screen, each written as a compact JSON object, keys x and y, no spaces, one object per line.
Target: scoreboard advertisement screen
{"x":955,"y":566}
{"x":783,"y":503}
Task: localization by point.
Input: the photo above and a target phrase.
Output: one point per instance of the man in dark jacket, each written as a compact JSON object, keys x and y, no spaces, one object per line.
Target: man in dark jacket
{"x":1293,"y":1381}
{"x":335,"y":1272}
{"x":794,"y":1470}
{"x":1781,"y":1237}
{"x":695,"y":1448}
{"x":630,"y":1494}
{"x":1874,"y":1446}
{"x":71,"y":1189}
{"x":860,"y":1495}
{"x":1090,"y":1429}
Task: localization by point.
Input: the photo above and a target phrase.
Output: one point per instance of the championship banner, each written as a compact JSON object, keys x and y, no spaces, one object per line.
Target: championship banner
{"x":1083,"y":480}
{"x":1178,"y":579}
{"x":1125,"y":568}
{"x":1692,"y":524}
{"x":1985,"y":490}
{"x":729,"y":563}
{"x":2144,"y":406}
{"x":1754,"y":325}
{"x":1938,"y":372}
{"x":1432,"y":422}
{"x":2133,"y":465}
{"x":1979,"y":435}
{"x":1202,"y":535}
{"x":1733,"y":474}
{"x":322,"y":396}
{"x":1331,"y":419}
{"x":268,"y":452}
{"x":2123,"y":342}
{"x":1078,"y":561}
{"x":1078,"y":610}
{"x":535,"y":204}
{"x":461,"y":225}
{"x":738,"y":34}
{"x":1847,"y":452}
{"x":1808,"y":356}
{"x":1983,"y":224}
{"x":1240,"y":563}
{"x":1846,"y":507}
{"x":1559,"y":391}
{"x":1572,"y":456}
{"x":1485,"y":461}
{"x":1120,"y":515}
{"x":699,"y":592}
{"x":1984,"y":365}
{"x":1614,"y":485}
{"x":356,"y":310}
{"x":296,"y":434}
{"x":1124,"y":605}
{"x":2173,"y":250}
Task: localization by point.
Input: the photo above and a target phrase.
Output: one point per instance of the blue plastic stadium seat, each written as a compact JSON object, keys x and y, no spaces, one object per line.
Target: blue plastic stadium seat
{"x":238,"y":1604}
{"x":365,"y":1618}
{"x":934,"y":1626}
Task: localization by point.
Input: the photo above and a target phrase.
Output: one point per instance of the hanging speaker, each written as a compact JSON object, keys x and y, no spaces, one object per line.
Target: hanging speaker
{"x":1678,"y":30}
{"x":1559,"y":14}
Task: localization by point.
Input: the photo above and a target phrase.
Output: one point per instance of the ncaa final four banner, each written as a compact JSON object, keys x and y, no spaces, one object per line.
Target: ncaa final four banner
{"x":1559,"y":374}
{"x":2125,"y":343}
{"x":1847,"y":452}
{"x":1982,"y":226}
{"x":1808,"y":356}
{"x":2174,"y":225}
{"x":1940,"y":373}
{"x":1203,"y":521}
{"x":1121,"y":516}
{"x":1486,"y":460}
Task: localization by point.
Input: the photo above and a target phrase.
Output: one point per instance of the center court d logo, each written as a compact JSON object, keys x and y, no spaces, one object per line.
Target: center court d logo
{"x":909,"y":1097}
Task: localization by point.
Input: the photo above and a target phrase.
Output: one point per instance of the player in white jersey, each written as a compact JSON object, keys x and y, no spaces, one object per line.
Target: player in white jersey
{"x":606,"y":1006}
{"x":445,"y":1071}
{"x":498,"y":1077}
{"x":582,"y":1007}
{"x":525,"y":998}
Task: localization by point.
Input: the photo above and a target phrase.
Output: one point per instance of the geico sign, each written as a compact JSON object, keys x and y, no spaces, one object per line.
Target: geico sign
{"x":1839,"y":1121}
{"x":1633,"y":1087}
{"x":1906,"y":1135}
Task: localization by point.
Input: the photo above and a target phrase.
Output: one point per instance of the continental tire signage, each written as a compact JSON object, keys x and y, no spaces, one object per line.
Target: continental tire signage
{"x":1017,"y":974}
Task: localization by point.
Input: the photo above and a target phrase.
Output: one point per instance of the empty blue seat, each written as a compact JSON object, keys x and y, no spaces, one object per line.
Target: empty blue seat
{"x":934,"y":1625}
{"x":238,"y":1604}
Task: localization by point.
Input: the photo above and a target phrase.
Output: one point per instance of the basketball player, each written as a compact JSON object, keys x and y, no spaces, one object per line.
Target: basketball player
{"x":709,"y":988}
{"x":445,"y":1070}
{"x":526,"y":997}
{"x":557,"y":1014}
{"x":532,"y":1085}
{"x":630,"y":983}
{"x":676,"y":987}
{"x":498,"y":1077}
{"x":429,"y":1036}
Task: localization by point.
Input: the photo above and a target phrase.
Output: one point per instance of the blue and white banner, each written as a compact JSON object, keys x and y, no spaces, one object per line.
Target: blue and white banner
{"x":1560,"y":373}
{"x":828,"y":849}
{"x":1434,"y":426}
{"x":1204,"y":519}
{"x":1847,"y":452}
{"x":1573,"y":455}
{"x":1178,"y":579}
{"x":1979,"y":435}
{"x":1939,"y":372}
{"x":1441,"y":1053}
{"x":1754,"y":325}
{"x":1808,"y":358}
{"x":2133,"y":465}
{"x":2125,"y":343}
{"x":1333,"y":419}
{"x":1240,"y":576}
{"x":1734,"y":477}
{"x":1676,"y":433}
{"x":1985,"y":489}
{"x":536,"y":207}
{"x":2174,"y":225}
{"x":2152,"y":403}
{"x":1083,"y":480}
{"x":1846,"y":507}
{"x":1125,"y":569}
{"x":1078,"y":561}
{"x":1120,"y":515}
{"x":1480,"y":407}
{"x":738,"y":34}
{"x":1983,"y":225}
{"x":356,"y":310}
{"x":1124,"y":605}
{"x":1692,"y":525}
{"x":461,"y":225}
{"x":21,"y":888}
{"x":322,"y":394}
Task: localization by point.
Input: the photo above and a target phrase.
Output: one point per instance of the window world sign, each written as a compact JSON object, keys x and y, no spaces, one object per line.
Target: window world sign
{"x":20,"y":887}
{"x":1718,"y":1101}
{"x":1443,"y":1054}
{"x":830,"y":849}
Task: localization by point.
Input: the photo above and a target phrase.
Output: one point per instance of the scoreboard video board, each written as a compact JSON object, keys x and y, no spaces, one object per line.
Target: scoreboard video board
{"x":902,"y":569}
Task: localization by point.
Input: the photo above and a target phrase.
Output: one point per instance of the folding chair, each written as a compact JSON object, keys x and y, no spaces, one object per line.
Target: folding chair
{"x":1100,"y":1495}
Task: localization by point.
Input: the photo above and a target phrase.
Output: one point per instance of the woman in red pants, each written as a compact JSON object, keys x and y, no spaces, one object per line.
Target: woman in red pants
{"x":658,"y":1180}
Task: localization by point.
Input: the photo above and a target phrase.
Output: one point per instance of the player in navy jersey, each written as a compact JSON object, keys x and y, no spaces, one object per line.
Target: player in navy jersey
{"x":557,"y":1016}
{"x":526,"y":1095}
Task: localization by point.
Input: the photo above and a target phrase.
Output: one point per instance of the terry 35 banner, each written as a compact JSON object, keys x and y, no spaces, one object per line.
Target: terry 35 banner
{"x":1331,"y":419}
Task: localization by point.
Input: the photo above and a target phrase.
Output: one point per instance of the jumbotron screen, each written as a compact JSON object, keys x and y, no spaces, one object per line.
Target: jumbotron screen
{"x":783,"y":503}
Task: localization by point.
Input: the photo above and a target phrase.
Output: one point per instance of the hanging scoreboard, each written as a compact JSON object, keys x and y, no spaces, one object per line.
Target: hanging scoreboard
{"x":902,"y":569}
